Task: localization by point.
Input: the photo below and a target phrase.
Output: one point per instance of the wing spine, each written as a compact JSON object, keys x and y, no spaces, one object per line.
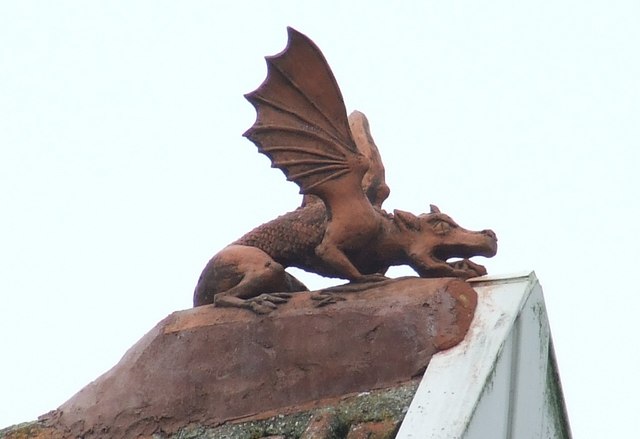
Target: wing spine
{"x":302,"y":125}
{"x":254,"y":98}
{"x":311,"y":101}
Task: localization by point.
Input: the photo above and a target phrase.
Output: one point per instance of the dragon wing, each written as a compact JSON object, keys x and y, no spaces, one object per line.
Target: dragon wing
{"x":302,"y":124}
{"x":374,"y":184}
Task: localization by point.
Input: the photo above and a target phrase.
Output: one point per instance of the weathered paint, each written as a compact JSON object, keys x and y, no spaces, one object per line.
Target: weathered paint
{"x":501,"y":381}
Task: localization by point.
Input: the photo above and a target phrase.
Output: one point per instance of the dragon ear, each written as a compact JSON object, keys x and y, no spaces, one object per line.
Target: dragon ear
{"x":434,"y":208}
{"x":406,"y":220}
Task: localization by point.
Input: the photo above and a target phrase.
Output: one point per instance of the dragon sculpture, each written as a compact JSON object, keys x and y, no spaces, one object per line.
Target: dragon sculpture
{"x":340,"y":230}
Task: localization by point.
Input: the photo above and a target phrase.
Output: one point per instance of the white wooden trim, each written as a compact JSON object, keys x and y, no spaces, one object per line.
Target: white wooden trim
{"x":499,"y":382}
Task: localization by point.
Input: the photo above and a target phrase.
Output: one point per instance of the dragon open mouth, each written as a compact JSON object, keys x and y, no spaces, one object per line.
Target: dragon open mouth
{"x":487,"y":247}
{"x":453,"y":254}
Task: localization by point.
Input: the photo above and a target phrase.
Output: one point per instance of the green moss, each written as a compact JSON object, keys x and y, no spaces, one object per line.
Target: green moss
{"x":555,"y":398}
{"x":28,"y":430}
{"x":380,"y":405}
{"x":376,"y":406}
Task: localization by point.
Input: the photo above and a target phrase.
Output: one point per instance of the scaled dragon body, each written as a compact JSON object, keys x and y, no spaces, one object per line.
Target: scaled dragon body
{"x":340,"y":230}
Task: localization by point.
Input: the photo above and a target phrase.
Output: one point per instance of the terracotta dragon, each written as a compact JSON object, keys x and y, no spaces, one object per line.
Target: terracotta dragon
{"x":340,"y":230}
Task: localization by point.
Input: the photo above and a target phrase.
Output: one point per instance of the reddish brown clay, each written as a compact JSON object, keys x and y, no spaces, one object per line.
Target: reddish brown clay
{"x":340,"y":230}
{"x":210,"y":365}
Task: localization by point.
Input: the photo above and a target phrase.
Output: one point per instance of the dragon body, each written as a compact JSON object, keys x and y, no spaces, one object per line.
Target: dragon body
{"x":341,"y":229}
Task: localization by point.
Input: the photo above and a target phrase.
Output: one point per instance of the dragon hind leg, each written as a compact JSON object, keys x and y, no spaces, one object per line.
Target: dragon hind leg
{"x":245,"y":277}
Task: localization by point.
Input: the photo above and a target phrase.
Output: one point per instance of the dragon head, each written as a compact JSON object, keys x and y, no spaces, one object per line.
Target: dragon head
{"x":431,"y":239}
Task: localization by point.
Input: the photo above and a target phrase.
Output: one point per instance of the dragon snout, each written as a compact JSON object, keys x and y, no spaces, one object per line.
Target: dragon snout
{"x":490,"y":233}
{"x":491,"y":244}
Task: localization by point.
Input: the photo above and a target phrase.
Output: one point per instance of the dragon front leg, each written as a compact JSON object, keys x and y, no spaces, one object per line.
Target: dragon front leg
{"x":335,"y":258}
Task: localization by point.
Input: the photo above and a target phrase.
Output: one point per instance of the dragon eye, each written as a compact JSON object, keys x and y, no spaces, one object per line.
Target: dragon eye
{"x":441,"y":227}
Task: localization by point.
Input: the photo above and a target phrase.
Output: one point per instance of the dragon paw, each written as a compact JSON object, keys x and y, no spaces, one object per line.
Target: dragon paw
{"x":324,"y":299}
{"x":366,"y":278}
{"x":467,"y":269}
{"x":265,"y":303}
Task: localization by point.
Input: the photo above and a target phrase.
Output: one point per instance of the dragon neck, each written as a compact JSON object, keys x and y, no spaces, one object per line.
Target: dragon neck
{"x":392,"y":241}
{"x":338,"y":208}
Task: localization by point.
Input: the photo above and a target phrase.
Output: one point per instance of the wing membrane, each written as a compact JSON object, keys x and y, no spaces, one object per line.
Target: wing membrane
{"x":301,"y":122}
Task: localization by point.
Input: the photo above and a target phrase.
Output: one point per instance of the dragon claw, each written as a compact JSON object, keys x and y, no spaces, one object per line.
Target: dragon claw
{"x":324,"y":299}
{"x":259,"y":308}
{"x":276,"y":297}
{"x":265,"y":303}
{"x":468,"y":269}
{"x":366,"y":278}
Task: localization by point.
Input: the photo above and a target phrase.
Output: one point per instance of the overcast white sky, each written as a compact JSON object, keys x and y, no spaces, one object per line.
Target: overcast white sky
{"x":123,"y":169}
